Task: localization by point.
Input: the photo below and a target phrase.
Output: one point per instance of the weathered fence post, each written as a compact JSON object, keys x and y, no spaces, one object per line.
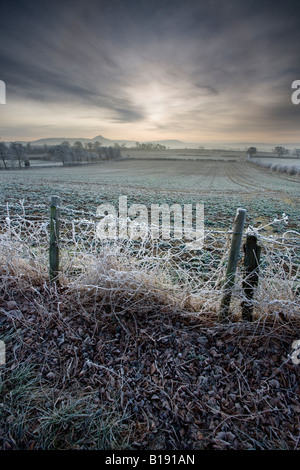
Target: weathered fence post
{"x":236,"y":242}
{"x":251,"y":266}
{"x":54,"y":237}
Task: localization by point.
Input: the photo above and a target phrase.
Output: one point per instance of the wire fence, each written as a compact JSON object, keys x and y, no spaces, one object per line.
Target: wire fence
{"x":28,"y":228}
{"x":199,"y":274}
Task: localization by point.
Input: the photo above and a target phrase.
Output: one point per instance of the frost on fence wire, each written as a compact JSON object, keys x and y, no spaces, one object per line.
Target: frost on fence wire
{"x":24,"y":232}
{"x":28,"y":229}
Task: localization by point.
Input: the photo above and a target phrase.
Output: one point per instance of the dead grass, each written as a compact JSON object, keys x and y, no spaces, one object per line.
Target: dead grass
{"x":124,"y":354}
{"x":83,"y":373}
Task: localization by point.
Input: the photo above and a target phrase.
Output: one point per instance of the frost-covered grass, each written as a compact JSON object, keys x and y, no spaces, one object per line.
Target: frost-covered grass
{"x":221,"y":186}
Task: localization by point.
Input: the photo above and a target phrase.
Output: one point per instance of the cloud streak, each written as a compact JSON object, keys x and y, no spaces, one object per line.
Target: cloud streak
{"x":201,"y":69}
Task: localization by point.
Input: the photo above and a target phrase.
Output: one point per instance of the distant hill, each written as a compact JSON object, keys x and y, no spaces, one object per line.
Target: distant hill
{"x":107,"y":142}
{"x":104,"y":140}
{"x":169,"y":143}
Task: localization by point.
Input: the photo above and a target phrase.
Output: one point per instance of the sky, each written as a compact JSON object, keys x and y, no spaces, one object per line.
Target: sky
{"x":192,"y":70}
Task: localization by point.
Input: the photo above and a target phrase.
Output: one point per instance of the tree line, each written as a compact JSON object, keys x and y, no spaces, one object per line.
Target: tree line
{"x":148,"y":146}
{"x":13,"y":156}
{"x":79,"y":152}
{"x":17,"y":155}
{"x":279,"y":150}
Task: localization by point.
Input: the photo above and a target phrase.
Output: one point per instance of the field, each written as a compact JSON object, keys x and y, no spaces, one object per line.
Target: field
{"x":221,"y":183}
{"x":126,"y":352}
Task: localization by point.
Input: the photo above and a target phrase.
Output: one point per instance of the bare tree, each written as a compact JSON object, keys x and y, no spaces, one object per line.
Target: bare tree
{"x":62,"y":152}
{"x":3,"y":154}
{"x":18,"y":152}
{"x":89,"y":151}
{"x":78,"y":150}
{"x":251,"y":151}
{"x":97,"y":148}
{"x":280,"y":151}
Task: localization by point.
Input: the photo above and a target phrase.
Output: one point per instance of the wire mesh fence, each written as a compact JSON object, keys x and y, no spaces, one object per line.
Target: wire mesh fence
{"x":191,"y":279}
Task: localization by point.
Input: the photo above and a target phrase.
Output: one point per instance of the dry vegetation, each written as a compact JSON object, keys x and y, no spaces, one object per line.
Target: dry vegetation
{"x":126,"y":352}
{"x":122,"y":356}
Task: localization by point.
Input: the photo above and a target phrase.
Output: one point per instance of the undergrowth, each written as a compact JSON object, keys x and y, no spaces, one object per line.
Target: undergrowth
{"x":125,"y":350}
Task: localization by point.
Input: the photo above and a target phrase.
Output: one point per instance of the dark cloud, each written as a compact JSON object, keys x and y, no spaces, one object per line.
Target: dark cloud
{"x":157,"y":62}
{"x":207,"y":89}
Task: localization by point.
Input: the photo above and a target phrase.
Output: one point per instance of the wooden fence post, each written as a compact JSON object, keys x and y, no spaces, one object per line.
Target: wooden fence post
{"x":251,"y":266}
{"x":54,"y":237}
{"x":236,"y":242}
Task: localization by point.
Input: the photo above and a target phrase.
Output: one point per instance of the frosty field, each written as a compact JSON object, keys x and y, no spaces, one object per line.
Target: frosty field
{"x":222,"y":184}
{"x":126,"y":350}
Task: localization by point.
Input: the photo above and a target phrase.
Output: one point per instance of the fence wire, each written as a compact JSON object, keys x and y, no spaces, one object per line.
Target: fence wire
{"x":25,"y":236}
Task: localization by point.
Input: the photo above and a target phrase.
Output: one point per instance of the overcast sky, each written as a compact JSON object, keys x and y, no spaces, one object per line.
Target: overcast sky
{"x":198,"y":71}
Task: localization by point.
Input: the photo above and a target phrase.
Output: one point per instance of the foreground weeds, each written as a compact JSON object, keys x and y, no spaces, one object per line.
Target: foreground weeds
{"x":84,"y":371}
{"x":125,"y":351}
